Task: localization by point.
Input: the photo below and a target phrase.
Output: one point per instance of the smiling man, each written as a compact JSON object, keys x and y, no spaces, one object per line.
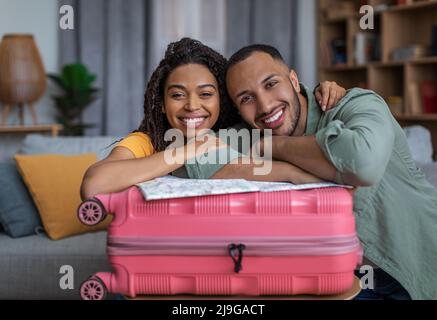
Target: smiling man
{"x":357,"y":143}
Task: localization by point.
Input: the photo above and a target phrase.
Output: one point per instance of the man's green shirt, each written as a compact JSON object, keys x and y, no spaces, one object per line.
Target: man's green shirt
{"x":396,"y":211}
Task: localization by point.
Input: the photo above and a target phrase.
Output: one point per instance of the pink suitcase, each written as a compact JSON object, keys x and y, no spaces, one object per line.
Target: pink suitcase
{"x":253,"y":244}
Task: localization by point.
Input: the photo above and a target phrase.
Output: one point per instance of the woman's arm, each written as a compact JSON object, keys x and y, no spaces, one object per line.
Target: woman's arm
{"x":121,"y":170}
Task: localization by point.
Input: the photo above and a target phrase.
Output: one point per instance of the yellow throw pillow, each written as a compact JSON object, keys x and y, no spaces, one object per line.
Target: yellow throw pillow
{"x":54,"y":183}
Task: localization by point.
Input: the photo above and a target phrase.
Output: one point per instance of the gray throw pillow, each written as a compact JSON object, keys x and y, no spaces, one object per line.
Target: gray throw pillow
{"x":18,"y":214}
{"x":39,"y":144}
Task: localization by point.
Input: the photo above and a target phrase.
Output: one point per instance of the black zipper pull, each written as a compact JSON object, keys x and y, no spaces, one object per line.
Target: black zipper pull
{"x":236,"y":253}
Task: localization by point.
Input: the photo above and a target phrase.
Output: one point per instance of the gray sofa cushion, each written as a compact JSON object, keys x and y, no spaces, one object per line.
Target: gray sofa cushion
{"x":36,"y":144}
{"x":30,"y":266}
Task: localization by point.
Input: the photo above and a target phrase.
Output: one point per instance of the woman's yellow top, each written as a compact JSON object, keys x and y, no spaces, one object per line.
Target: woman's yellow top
{"x":138,"y":143}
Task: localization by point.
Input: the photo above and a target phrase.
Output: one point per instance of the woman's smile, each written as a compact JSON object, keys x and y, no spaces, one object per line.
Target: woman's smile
{"x":193,"y":121}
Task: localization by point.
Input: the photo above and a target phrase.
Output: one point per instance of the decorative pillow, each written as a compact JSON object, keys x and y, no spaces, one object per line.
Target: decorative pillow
{"x":54,"y":183}
{"x":18,"y":214}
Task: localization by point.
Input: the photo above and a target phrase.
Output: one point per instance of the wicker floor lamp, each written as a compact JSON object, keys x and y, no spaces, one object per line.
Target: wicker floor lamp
{"x":22,"y":76}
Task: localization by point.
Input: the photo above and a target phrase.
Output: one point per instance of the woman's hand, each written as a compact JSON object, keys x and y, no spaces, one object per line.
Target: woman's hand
{"x":328,"y":94}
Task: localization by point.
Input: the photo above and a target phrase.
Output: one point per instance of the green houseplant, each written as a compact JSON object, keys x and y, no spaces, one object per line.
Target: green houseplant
{"x":78,"y":93}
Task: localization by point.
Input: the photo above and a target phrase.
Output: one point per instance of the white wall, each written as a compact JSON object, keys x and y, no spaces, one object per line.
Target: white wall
{"x":40,"y":18}
{"x":306,"y":43}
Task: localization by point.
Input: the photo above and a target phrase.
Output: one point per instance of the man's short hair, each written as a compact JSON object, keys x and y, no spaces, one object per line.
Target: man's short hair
{"x":247,"y":51}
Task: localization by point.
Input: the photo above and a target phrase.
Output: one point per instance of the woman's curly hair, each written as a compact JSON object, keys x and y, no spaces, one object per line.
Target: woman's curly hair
{"x":182,"y":52}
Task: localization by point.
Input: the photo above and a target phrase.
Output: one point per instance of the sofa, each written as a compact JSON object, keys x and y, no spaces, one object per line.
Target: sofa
{"x":31,"y":267}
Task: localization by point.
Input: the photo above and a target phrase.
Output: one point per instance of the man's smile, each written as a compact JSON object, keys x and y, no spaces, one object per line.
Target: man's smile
{"x":275,"y":119}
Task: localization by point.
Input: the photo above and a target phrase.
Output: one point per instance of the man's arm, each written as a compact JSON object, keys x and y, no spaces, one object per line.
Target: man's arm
{"x":305,"y":153}
{"x":239,"y":166}
{"x":280,"y":172}
{"x":352,"y":149}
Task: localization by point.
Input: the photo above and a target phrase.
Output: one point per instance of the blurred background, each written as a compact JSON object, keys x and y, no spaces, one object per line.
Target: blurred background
{"x":118,"y":43}
{"x":122,"y":41}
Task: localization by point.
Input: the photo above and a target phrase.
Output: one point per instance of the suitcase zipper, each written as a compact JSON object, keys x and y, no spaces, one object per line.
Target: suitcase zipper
{"x":238,"y":259}
{"x":266,"y":246}
{"x":254,"y":246}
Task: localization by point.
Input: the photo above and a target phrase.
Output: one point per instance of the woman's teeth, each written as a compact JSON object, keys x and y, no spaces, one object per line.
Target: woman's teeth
{"x":275,"y":117}
{"x":191,"y":121}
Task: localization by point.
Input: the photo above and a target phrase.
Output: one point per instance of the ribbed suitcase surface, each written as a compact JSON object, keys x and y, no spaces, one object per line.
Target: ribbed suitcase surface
{"x":275,"y":243}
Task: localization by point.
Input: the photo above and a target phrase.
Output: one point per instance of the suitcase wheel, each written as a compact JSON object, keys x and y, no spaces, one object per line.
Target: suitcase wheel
{"x":91,"y":212}
{"x":93,"y":289}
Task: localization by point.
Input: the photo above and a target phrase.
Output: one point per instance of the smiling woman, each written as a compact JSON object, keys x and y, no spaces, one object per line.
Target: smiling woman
{"x":191,"y":98}
{"x":186,"y":91}
{"x":188,"y":84}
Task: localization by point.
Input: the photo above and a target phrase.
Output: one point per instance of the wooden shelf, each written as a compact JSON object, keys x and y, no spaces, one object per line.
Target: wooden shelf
{"x":398,"y":26}
{"x":418,"y":117}
{"x":344,"y":19}
{"x":425,"y":60}
{"x":344,"y":68}
{"x":414,"y":6}
{"x":52,"y":128}
{"x":388,"y":64}
{"x":381,"y":64}
{"x":396,"y":8}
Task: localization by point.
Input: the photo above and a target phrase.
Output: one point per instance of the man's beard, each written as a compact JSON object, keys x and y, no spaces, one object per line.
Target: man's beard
{"x":295,"y":109}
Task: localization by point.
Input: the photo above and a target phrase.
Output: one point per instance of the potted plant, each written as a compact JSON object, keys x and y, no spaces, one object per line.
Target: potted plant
{"x":78,"y":93}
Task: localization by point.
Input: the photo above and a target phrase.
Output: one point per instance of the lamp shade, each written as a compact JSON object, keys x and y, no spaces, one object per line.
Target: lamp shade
{"x":22,"y":75}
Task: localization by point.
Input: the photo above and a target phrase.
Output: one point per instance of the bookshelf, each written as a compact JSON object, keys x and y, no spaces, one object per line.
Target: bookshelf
{"x":399,"y":81}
